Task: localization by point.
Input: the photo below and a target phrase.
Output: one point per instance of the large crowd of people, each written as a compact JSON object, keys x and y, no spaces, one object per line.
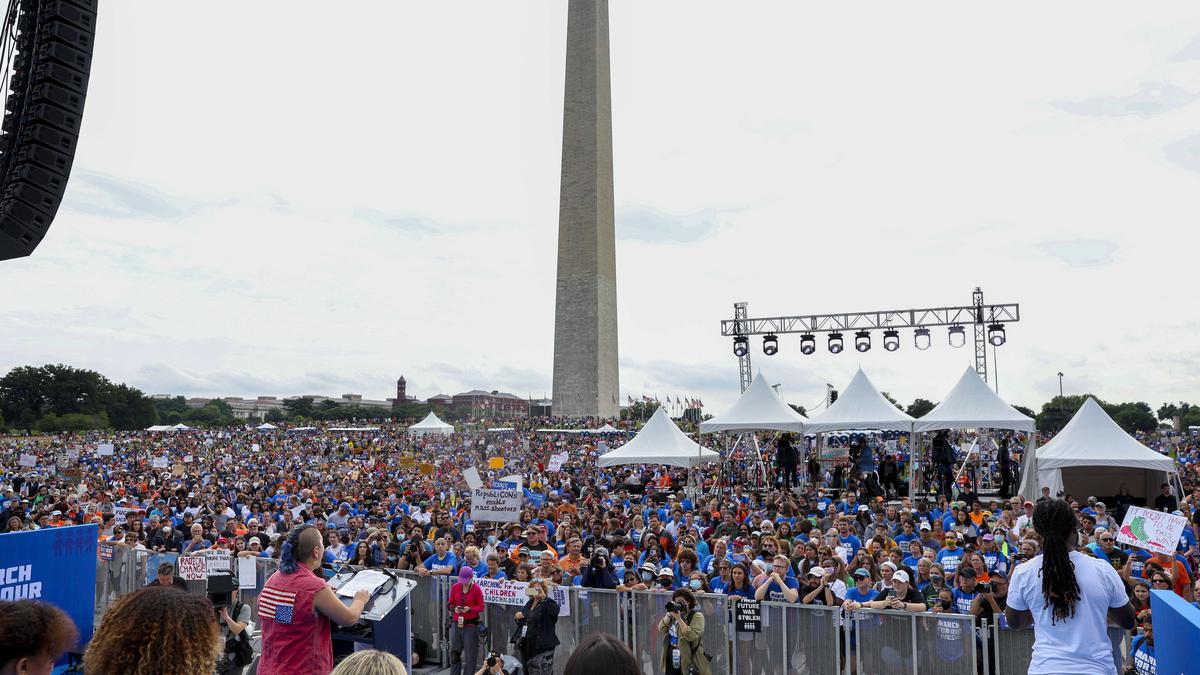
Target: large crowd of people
{"x":846,"y":534}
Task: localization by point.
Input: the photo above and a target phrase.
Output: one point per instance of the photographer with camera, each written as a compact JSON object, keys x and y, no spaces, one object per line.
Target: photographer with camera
{"x":535,"y":637}
{"x":233,"y":618}
{"x":682,"y":628}
{"x":493,"y":665}
{"x":598,"y":573}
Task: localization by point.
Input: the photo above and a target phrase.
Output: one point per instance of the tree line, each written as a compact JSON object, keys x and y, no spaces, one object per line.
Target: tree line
{"x":57,"y":397}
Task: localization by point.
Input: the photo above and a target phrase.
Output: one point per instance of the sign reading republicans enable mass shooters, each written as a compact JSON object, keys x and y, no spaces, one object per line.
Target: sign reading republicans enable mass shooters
{"x":1156,"y":531}
{"x":498,"y":506}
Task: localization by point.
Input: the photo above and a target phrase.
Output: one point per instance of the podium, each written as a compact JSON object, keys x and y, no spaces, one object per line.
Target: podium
{"x":386,"y":622}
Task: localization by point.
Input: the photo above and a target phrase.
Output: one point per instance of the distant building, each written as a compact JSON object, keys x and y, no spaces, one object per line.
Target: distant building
{"x":490,"y":404}
{"x":402,"y":397}
{"x":441,"y":400}
{"x":540,"y":407}
{"x":244,"y":408}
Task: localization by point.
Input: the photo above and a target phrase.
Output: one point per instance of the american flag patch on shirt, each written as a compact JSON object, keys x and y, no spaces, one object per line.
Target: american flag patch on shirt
{"x":277,"y":604}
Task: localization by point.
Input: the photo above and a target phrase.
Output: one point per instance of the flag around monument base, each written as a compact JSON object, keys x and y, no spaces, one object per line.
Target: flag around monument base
{"x":1155,"y":531}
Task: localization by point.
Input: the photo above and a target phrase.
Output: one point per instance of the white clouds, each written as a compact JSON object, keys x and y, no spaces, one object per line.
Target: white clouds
{"x":269,"y":206}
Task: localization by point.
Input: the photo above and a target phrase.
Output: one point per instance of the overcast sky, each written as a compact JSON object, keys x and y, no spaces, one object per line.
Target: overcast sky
{"x":272,"y":201}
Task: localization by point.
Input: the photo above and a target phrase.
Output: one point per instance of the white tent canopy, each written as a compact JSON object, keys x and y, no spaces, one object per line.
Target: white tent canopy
{"x":161,"y":427}
{"x":860,"y":406}
{"x":659,"y":442}
{"x":431,"y":425}
{"x":758,"y":408}
{"x":266,"y":426}
{"x":606,"y":429}
{"x":181,"y":427}
{"x":1093,"y":455}
{"x":972,"y":405}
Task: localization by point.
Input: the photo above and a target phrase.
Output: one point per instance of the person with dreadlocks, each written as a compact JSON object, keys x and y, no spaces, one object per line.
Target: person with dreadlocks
{"x":295,"y":607}
{"x":1068,"y":598}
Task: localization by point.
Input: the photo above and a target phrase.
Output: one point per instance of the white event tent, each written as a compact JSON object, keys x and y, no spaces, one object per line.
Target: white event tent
{"x":971,"y":404}
{"x":431,"y":425}
{"x":266,"y":426}
{"x":860,"y":406}
{"x":660,"y":442}
{"x":606,"y":429}
{"x":1093,"y":455}
{"x":759,"y":408}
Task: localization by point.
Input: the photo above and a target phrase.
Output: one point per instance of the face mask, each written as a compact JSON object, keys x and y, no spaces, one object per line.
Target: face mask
{"x":628,"y":564}
{"x":695,"y":584}
{"x":533,"y":591}
{"x":166,"y":530}
{"x":665,"y":583}
{"x":951,"y":542}
{"x":491,"y":539}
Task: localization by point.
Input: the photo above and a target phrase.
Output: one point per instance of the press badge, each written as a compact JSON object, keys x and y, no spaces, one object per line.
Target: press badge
{"x":675,"y":658}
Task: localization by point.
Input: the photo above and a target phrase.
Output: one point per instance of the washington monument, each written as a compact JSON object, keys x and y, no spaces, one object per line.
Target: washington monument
{"x":585,"y":313}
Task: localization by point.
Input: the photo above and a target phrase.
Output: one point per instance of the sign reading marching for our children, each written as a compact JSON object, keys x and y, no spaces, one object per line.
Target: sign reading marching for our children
{"x":55,"y":565}
{"x":1155,"y":531}
{"x":507,"y":592}
{"x":498,"y":506}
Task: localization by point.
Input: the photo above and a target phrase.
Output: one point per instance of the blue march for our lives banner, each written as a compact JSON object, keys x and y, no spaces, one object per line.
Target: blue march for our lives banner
{"x":56,"y":565}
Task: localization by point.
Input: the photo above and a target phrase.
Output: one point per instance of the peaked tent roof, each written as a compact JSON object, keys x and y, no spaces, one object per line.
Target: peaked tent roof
{"x":971,"y":404}
{"x":860,"y":406}
{"x":1092,"y":438}
{"x":759,"y":407}
{"x":181,"y":427}
{"x":431,"y":425}
{"x":607,"y":429}
{"x":266,"y":426}
{"x":659,"y":442}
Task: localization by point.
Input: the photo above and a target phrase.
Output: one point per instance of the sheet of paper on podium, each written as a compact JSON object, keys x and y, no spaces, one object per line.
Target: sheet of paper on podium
{"x":368,"y":580}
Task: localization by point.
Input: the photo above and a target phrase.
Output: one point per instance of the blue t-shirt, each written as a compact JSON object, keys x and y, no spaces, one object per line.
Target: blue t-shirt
{"x":963,"y":600}
{"x":853,"y":542}
{"x":995,"y":561}
{"x":949,"y":558}
{"x":861,"y":596}
{"x":743,"y":593}
{"x":775,"y":593}
{"x":717,"y":585}
{"x":435,"y":561}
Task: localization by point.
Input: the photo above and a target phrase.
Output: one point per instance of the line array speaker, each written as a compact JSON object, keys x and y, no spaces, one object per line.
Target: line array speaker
{"x":52,"y":59}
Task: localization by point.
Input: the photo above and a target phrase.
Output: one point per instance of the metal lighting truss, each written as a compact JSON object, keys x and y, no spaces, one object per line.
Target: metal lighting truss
{"x":978,"y":314}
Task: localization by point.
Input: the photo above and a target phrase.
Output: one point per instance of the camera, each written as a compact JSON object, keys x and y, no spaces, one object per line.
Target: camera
{"x":673,"y":606}
{"x":985,"y":588}
{"x":492,"y":659}
{"x":599,"y":561}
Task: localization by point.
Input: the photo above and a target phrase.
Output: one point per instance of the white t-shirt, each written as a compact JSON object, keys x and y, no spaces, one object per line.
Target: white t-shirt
{"x":1080,"y":644}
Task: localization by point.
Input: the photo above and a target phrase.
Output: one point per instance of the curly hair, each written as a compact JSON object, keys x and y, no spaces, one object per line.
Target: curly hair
{"x":159,"y":630}
{"x":35,"y":630}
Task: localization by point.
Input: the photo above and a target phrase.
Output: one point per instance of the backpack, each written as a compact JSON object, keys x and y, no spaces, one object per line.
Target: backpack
{"x":239,"y":645}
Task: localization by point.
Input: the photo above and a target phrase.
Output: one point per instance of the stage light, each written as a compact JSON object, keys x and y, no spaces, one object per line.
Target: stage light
{"x":862,"y":341}
{"x":921,"y":338}
{"x":958,"y":336}
{"x":808,"y":344}
{"x":996,"y":334}
{"x":891,"y":340}
{"x":771,"y":345}
{"x":741,"y":346}
{"x":835,"y":343}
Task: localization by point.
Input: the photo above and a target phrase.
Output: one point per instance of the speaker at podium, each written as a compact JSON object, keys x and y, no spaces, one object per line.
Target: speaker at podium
{"x":386,"y":622}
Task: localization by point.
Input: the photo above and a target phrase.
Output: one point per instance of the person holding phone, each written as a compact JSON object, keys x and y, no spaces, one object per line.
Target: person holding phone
{"x":901,"y":596}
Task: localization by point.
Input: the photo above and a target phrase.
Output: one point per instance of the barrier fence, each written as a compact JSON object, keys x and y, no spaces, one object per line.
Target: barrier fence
{"x":794,"y":639}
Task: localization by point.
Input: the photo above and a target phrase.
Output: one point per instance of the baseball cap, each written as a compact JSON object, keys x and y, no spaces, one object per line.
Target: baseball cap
{"x":901,"y":576}
{"x":861,"y":573}
{"x":466,"y":573}
{"x":222,"y":540}
{"x":344,"y":505}
{"x":600,"y":550}
{"x":888,"y":563}
{"x":924,"y":525}
{"x":666,"y":572}
{"x":816,"y":571}
{"x":863,"y":507}
{"x":989,"y":537}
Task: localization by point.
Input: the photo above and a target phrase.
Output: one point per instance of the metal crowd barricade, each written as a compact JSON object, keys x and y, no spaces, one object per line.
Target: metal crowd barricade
{"x":900,"y":643}
{"x":123,"y":574}
{"x":1013,"y":650}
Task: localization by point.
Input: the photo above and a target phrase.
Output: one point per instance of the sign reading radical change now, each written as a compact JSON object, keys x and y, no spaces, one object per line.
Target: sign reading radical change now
{"x":498,"y":506}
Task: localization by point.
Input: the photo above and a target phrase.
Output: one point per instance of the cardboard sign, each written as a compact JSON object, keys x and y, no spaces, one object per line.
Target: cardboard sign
{"x":495,"y":462}
{"x":747,"y":616}
{"x":426,"y":469}
{"x":120,"y":513}
{"x":28,"y":460}
{"x":105,"y":450}
{"x":1155,"y":531}
{"x":177,"y":470}
{"x":500,"y":506}
{"x":192,"y":568}
{"x":408,"y":462}
{"x":471,"y":475}
{"x":508,"y":592}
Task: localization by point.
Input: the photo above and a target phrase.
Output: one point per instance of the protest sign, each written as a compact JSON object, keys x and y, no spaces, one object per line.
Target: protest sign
{"x":28,"y":460}
{"x":747,"y":616}
{"x":557,"y":461}
{"x":1155,"y":531}
{"x":187,"y":459}
{"x":503,"y":485}
{"x":254,"y":447}
{"x":426,"y":469}
{"x":217,"y":561}
{"x":192,"y":568}
{"x":500,"y":506}
{"x":105,"y":449}
{"x":247,"y":573}
{"x":408,"y":461}
{"x":471,"y":475}
{"x":177,"y":470}
{"x":158,"y":462}
{"x":72,"y":453}
{"x":507,"y":592}
{"x":106,"y":551}
{"x":495,"y":462}
{"x":120,"y":512}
